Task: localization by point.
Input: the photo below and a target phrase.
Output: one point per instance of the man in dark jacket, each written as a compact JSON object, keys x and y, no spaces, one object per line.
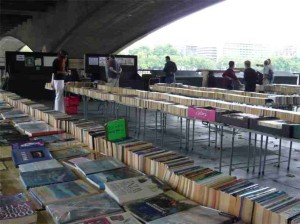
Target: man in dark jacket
{"x":250,"y":77}
{"x":170,"y":69}
{"x":229,"y":77}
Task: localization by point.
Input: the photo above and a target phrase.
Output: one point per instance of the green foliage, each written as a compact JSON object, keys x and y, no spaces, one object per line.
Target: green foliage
{"x":154,"y":58}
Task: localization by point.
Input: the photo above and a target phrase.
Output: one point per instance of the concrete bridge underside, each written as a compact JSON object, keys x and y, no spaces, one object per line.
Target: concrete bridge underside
{"x":103,"y":26}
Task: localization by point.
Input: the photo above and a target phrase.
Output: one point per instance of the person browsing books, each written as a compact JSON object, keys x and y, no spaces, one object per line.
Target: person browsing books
{"x":114,"y":72}
{"x":250,"y":77}
{"x":170,"y":69}
{"x":229,"y":77}
{"x":60,"y":70}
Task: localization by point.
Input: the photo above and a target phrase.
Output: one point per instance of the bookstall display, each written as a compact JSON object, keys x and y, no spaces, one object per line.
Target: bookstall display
{"x":194,"y":185}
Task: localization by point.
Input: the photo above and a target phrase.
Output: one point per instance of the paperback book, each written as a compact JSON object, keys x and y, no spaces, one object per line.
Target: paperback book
{"x":41,"y":165}
{"x":55,"y":138}
{"x":53,"y":193}
{"x":46,"y":177}
{"x":131,"y":189}
{"x":160,"y":206}
{"x":38,"y":128}
{"x":120,"y":218}
{"x":27,"y":144}
{"x":97,"y":166}
{"x":24,"y":155}
{"x":73,"y":151}
{"x":16,"y":209}
{"x":100,"y":179}
{"x":82,"y":208}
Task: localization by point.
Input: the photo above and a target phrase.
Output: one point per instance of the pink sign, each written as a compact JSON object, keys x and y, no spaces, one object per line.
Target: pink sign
{"x":202,"y":113}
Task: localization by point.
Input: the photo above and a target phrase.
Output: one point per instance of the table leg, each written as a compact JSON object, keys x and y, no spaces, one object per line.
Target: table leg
{"x":265,"y":155}
{"x":232,"y":148}
{"x":254,"y":153}
{"x":279,"y":153}
{"x":290,"y":155}
{"x":249,"y":149}
{"x":221,"y":149}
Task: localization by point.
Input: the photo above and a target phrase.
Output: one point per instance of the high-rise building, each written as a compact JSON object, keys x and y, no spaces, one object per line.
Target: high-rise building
{"x":208,"y":52}
{"x":247,"y":50}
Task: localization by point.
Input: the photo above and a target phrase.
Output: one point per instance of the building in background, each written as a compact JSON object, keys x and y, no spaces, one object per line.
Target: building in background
{"x":247,"y":50}
{"x":291,"y":51}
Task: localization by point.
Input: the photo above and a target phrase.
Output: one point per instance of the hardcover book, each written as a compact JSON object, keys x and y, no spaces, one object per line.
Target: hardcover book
{"x":16,"y":209}
{"x":60,"y":192}
{"x":135,"y":188}
{"x":160,"y":206}
{"x":46,"y":177}
{"x":96,"y":166}
{"x":41,"y":165}
{"x":23,"y":156}
{"x":82,"y":208}
{"x":99,"y":179}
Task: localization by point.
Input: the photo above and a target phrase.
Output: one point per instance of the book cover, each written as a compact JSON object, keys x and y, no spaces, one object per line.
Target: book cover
{"x":46,"y":177}
{"x":73,"y":151}
{"x":82,"y":208}
{"x":12,"y":114}
{"x":127,"y":190}
{"x":28,"y":144}
{"x":41,"y":165}
{"x":78,"y":160}
{"x":16,"y":209}
{"x":199,"y":215}
{"x":17,"y":120}
{"x":61,"y":191}
{"x":157,"y":207}
{"x":120,"y":218}
{"x":55,"y":138}
{"x":96,"y":166}
{"x":23,"y":156}
{"x":38,"y":128}
{"x":99,"y":179}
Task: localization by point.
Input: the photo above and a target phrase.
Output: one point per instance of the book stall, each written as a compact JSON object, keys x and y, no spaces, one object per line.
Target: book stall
{"x":103,"y":175}
{"x":216,"y":113}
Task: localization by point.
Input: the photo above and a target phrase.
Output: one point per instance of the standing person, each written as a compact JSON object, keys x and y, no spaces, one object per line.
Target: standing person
{"x":229,"y":77}
{"x":250,"y":77}
{"x":170,"y":69}
{"x":268,"y":73}
{"x":114,"y":71}
{"x":60,"y":69}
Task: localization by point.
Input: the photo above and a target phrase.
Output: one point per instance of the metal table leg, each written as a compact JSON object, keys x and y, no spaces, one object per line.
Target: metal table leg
{"x":254,"y":153}
{"x":260,"y":153}
{"x":162,"y":128}
{"x":208,"y":134}
{"x":232,"y":147}
{"x":221,"y":149}
{"x":140,"y":116}
{"x":216,"y":136}
{"x":117,"y":111}
{"x":180,"y":132}
{"x":290,"y":155}
{"x":156,"y":127}
{"x":145,"y":114}
{"x":165,"y":123}
{"x":279,"y":153}
{"x":249,"y":149}
{"x":265,"y":155}
{"x":193,"y":136}
{"x":187,"y":132}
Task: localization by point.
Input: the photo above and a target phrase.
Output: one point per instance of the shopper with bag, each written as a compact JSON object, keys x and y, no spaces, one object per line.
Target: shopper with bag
{"x":60,"y":70}
{"x":114,"y":72}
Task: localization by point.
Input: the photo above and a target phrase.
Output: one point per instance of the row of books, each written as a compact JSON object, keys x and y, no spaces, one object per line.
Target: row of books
{"x":231,"y":96}
{"x":204,"y":185}
{"x":68,"y":199}
{"x":169,"y":102}
{"x":283,"y":89}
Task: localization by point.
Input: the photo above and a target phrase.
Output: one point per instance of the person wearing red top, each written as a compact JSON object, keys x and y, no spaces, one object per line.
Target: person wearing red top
{"x":229,"y":77}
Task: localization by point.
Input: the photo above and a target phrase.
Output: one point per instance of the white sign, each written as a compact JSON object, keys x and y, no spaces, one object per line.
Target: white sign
{"x":38,"y":62}
{"x":125,"y":61}
{"x":93,"y":61}
{"x":20,"y":57}
{"x":48,"y":60}
{"x":102,"y":61}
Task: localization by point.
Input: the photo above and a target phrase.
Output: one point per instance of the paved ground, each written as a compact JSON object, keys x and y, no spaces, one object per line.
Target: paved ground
{"x":208,"y":156}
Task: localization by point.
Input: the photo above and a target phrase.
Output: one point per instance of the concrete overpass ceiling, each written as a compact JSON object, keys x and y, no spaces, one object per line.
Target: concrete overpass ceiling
{"x":82,"y":26}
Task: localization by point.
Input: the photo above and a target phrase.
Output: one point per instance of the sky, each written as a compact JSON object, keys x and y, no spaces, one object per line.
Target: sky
{"x":270,"y":22}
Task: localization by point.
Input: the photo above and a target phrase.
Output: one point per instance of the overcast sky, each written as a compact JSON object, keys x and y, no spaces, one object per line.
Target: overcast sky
{"x":273,"y":22}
